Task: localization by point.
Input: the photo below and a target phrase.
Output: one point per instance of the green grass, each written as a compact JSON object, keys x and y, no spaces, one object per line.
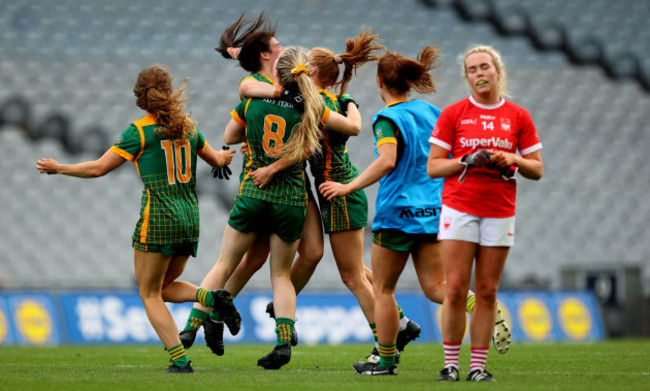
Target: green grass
{"x":612,"y":365}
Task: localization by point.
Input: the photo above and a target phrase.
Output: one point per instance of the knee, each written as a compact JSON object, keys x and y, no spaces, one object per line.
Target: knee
{"x":455,"y":296}
{"x":349,"y":280}
{"x":435,"y":290}
{"x":312,"y":256}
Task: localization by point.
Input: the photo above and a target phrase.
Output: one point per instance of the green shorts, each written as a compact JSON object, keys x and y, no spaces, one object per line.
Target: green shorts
{"x":344,"y":213}
{"x":190,"y":248}
{"x":264,"y":217}
{"x":397,"y":240}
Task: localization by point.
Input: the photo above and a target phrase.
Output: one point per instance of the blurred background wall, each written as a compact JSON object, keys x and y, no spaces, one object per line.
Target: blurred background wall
{"x":582,"y":68}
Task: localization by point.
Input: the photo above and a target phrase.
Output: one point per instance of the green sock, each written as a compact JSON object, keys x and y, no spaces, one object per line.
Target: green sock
{"x":178,"y":355}
{"x":204,"y":297}
{"x":387,"y":355}
{"x":283,"y":328}
{"x":214,"y":315}
{"x":470,"y":303}
{"x":401,"y":313}
{"x":196,"y":319}
{"x":373,"y":327}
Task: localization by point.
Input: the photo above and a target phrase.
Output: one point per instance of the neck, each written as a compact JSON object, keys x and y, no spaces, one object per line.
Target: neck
{"x":267,"y":70}
{"x":487,"y":99}
{"x":390,"y":98}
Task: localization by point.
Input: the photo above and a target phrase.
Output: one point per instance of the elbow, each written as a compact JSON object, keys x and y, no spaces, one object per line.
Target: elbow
{"x":356,"y":129}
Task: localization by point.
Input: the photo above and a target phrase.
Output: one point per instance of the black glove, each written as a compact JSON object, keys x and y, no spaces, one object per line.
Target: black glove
{"x":508,"y":173}
{"x":346,"y":99}
{"x":291,"y":94}
{"x":223,"y":172}
{"x":480,"y":158}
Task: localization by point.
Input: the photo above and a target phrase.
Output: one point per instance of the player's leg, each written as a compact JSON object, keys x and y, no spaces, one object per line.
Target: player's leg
{"x":387,"y":266}
{"x":488,"y":270}
{"x":150,"y":270}
{"x":284,"y":299}
{"x":310,"y":248}
{"x":288,"y":224}
{"x":347,"y":248}
{"x":458,"y":258}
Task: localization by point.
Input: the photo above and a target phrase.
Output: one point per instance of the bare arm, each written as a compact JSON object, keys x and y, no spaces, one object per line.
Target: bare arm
{"x":252,"y":88}
{"x":91,"y":169}
{"x":350,"y":125}
{"x":216,"y":158}
{"x":530,"y":166}
{"x":263,"y":175}
{"x":375,"y":171}
{"x":234,"y":133}
{"x":439,"y":165}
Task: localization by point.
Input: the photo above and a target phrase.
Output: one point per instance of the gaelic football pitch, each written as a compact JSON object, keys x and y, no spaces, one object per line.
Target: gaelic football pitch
{"x":611,"y":365}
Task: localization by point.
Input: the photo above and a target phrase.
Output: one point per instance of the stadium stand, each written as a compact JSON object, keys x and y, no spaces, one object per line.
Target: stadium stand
{"x":68,"y":68}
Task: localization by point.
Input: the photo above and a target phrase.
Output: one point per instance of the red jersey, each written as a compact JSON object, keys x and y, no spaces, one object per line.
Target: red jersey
{"x":467,"y":126}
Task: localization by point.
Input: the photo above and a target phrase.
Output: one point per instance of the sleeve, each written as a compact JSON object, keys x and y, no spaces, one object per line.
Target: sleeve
{"x":385,"y":131}
{"x":200,"y":143}
{"x":529,"y":140}
{"x":443,"y":132}
{"x":326,"y":114}
{"x":239,"y":113}
{"x":129,"y":144}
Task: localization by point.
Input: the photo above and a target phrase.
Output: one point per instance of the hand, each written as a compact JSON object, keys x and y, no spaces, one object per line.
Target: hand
{"x":262,"y":176}
{"x":331,"y":189}
{"x":244,"y":148}
{"x":47,"y":166}
{"x":479,"y":158}
{"x":505,"y":163}
{"x":345,"y":100}
{"x":224,"y":171}
{"x":291,"y":94}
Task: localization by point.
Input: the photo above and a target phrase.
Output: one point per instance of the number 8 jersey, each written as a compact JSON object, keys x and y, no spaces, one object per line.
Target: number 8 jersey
{"x":169,"y":212}
{"x":467,"y":126}
{"x":269,"y":124}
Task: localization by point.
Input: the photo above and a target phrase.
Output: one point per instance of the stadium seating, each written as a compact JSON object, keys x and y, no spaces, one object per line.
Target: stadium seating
{"x":73,"y":65}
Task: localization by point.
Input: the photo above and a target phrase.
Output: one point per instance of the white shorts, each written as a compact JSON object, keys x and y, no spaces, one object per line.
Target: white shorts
{"x":486,"y":231}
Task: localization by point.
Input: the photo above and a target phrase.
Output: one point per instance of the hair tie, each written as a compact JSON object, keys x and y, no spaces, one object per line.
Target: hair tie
{"x":298,"y":70}
{"x":338,"y":59}
{"x":234,"y":52}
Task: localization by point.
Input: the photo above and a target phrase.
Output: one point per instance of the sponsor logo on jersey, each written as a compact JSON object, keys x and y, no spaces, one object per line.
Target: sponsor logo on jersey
{"x":493,"y":142}
{"x":468,"y":121}
{"x":505,"y":124}
{"x":409,"y":213}
{"x":488,"y":117}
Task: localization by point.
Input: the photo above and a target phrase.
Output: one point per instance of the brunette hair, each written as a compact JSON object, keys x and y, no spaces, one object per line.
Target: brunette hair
{"x":358,"y":51}
{"x":154,"y":94}
{"x":400,"y":74}
{"x":293,"y":68}
{"x":251,"y":36}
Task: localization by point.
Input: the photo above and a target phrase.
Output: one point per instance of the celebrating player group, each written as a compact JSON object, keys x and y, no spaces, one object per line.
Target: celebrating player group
{"x":461,"y":162}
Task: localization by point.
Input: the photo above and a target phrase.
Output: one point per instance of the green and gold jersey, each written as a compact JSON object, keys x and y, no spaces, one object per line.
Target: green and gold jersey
{"x":263,"y":79}
{"x":269,"y":123}
{"x":169,"y":212}
{"x":333,"y":163}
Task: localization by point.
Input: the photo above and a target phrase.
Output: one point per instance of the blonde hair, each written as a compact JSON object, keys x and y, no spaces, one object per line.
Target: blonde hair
{"x":293,"y":68}
{"x":502,"y":83}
